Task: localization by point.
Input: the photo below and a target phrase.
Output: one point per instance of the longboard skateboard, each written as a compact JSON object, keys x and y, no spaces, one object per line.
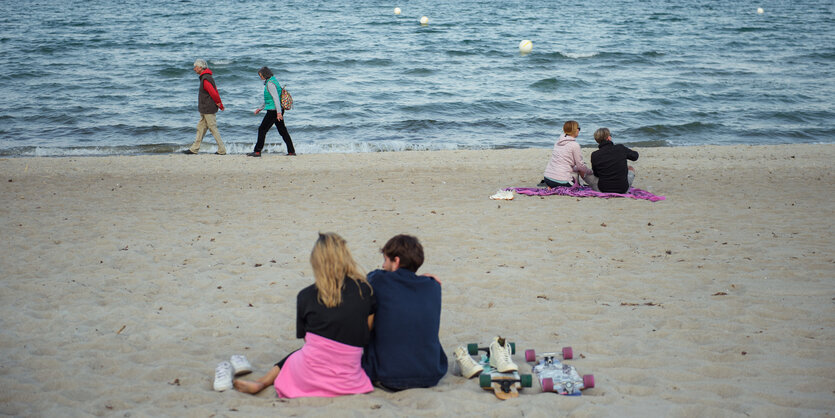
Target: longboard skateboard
{"x":555,"y":376}
{"x":503,"y":385}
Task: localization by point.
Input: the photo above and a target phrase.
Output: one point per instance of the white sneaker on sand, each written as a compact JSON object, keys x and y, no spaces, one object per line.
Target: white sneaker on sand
{"x":223,"y":376}
{"x":503,"y":195}
{"x":240,"y":365}
{"x":466,"y":364}
{"x":500,"y":356}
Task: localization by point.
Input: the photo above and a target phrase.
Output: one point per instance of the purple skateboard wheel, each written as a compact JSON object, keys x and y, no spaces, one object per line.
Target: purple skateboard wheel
{"x":588,"y":381}
{"x":530,"y":355}
{"x":547,"y":384}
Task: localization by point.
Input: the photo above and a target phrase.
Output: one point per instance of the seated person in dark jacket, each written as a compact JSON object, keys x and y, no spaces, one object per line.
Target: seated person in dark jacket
{"x":404,"y":351}
{"x":608,"y":163}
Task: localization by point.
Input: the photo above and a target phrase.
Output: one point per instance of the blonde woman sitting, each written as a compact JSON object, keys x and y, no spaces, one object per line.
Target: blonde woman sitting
{"x":334,"y":316}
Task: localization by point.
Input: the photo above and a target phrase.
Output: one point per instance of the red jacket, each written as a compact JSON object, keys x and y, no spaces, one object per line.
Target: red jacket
{"x":212,"y":90}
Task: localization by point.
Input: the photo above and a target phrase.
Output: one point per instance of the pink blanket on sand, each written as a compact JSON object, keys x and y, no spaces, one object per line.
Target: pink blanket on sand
{"x":583,"y":191}
{"x":322,"y":368}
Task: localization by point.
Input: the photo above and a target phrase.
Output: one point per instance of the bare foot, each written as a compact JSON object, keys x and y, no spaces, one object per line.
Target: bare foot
{"x":247,"y":386}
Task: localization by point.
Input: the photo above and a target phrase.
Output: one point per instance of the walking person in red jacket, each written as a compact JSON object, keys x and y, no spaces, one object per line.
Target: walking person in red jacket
{"x":208,"y":102}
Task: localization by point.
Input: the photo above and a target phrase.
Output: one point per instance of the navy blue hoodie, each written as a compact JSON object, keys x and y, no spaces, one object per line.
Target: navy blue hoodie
{"x":405,"y":351}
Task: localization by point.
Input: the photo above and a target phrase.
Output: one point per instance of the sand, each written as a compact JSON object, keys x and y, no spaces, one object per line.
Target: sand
{"x":125,"y":280}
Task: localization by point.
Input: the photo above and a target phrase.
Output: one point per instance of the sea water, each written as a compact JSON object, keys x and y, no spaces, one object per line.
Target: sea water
{"x":102,"y":77}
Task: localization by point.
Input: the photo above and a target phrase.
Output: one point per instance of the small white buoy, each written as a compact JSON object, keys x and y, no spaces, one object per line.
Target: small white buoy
{"x":525,"y":46}
{"x":424,"y":20}
{"x":760,"y":10}
{"x":397,"y":10}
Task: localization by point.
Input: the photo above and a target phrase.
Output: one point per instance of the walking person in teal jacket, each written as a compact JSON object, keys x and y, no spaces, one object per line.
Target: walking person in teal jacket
{"x":272,"y":102}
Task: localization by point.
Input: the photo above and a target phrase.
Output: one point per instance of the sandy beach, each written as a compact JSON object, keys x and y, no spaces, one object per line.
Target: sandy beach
{"x":125,"y":280}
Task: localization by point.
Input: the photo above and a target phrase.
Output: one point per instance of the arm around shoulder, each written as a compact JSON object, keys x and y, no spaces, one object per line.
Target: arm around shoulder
{"x":433,"y":277}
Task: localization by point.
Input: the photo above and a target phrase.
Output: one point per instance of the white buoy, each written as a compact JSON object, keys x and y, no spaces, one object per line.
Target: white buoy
{"x":397,"y":10}
{"x":760,"y":10}
{"x":424,"y":20}
{"x":525,"y":46}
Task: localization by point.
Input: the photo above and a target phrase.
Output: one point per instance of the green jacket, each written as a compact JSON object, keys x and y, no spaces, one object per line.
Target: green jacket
{"x":269,"y":103}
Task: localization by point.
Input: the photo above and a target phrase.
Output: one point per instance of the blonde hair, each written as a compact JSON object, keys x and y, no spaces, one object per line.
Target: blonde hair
{"x":570,"y":126}
{"x":332,"y":263}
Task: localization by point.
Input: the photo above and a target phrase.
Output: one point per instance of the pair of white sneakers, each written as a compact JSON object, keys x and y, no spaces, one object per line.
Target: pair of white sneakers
{"x":226,"y":370}
{"x":499,"y":359}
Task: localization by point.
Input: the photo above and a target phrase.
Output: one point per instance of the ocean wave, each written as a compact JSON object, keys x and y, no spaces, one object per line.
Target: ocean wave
{"x":335,"y":62}
{"x":462,"y":53}
{"x":748,"y":29}
{"x":827,"y":56}
{"x":666,"y":17}
{"x":647,"y":144}
{"x":546,"y":84}
{"x":579,"y":55}
{"x":444,"y":108}
{"x":420,"y":71}
{"x":673,"y":130}
{"x":552,"y":84}
{"x":173,"y":72}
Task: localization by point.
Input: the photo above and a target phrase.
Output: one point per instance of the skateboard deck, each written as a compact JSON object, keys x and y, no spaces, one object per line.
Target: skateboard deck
{"x":503,"y":385}
{"x":558,"y":377}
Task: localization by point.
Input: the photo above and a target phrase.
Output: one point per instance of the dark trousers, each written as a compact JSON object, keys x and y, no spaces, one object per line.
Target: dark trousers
{"x":551,"y":183}
{"x":270,"y":119}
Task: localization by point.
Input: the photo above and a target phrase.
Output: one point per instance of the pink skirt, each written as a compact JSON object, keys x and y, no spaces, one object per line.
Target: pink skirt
{"x":322,"y":368}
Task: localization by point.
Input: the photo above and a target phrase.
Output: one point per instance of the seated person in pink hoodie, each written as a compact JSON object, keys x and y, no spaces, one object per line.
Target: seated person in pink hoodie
{"x":566,"y":159}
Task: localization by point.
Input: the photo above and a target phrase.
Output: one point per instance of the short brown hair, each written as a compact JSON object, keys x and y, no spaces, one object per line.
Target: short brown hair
{"x":406,"y":247}
{"x":265,"y":72}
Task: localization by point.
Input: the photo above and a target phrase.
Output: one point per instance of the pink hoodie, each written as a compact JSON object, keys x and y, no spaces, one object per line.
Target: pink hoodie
{"x":566,"y":159}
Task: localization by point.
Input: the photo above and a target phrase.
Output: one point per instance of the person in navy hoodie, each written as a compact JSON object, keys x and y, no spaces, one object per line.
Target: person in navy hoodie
{"x":404,"y":351}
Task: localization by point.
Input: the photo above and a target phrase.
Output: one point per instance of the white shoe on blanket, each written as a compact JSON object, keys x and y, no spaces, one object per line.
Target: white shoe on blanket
{"x":240,"y":365}
{"x":503,"y":195}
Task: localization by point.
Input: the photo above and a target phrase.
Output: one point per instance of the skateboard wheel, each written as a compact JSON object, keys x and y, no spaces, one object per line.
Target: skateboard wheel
{"x":547,"y":384}
{"x":530,"y":355}
{"x":567,"y":353}
{"x":472,"y":349}
{"x":512,"y":348}
{"x":485,"y":380}
{"x":588,"y":381}
{"x":526,"y":380}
